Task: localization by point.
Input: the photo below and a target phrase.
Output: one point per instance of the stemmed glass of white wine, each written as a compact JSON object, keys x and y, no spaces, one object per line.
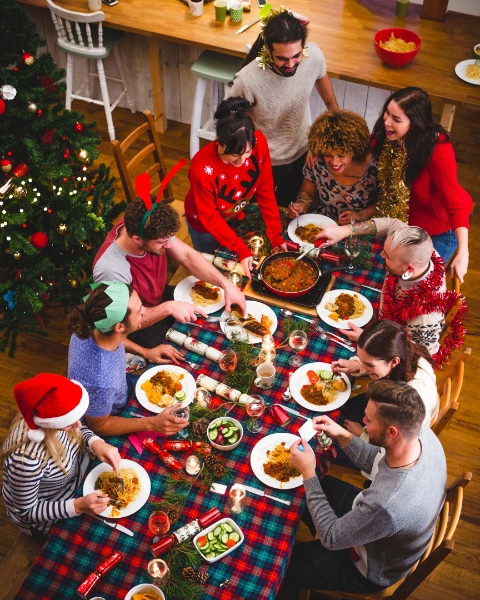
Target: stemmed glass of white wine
{"x":298,"y":341}
{"x":352,"y":250}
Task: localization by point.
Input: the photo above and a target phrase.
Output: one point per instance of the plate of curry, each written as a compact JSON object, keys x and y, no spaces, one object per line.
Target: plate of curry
{"x":288,"y":278}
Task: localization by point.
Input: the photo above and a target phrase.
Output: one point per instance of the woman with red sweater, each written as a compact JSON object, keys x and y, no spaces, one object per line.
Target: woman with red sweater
{"x":418,"y":175}
{"x":224,"y":177}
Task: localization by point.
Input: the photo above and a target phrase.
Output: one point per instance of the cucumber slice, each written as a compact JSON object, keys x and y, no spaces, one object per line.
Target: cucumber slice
{"x":210,"y":536}
{"x":228,"y":528}
{"x":225,"y":538}
{"x":234,"y":536}
{"x":229,"y":434}
{"x":217,"y":531}
{"x":211,"y":555}
{"x":233,"y":439}
{"x":202,"y":545}
{"x":325,"y":375}
{"x":180,"y":395}
{"x":213,"y":434}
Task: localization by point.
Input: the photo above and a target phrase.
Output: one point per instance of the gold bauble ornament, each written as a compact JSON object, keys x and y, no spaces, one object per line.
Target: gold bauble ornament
{"x":32,"y":107}
{"x":17,"y":255}
{"x":73,"y":283}
{"x":83,"y":155}
{"x":19,"y":191}
{"x":62,"y":229}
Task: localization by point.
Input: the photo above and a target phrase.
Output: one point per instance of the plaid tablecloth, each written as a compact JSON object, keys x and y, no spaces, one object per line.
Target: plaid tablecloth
{"x":256,"y":568}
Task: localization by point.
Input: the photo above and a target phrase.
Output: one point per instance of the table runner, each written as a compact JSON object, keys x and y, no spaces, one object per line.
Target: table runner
{"x":255,"y":569}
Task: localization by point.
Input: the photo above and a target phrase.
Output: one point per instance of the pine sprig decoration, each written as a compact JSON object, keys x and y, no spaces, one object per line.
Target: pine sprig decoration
{"x":242,"y":378}
{"x":179,"y":558}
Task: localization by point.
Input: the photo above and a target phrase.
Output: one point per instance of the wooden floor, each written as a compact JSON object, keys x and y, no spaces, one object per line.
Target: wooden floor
{"x":456,"y":579}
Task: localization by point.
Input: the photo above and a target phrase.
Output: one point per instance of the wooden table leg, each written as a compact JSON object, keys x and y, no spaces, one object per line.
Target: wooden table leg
{"x":448,"y":113}
{"x":158,"y":90}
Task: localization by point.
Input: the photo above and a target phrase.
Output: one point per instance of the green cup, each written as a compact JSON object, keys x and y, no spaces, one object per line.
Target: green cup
{"x":402,"y":8}
{"x":236,"y":14}
{"x":220,"y":10}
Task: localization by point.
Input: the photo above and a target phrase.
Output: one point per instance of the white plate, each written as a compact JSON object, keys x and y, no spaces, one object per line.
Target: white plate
{"x":259,"y":456}
{"x":299,"y":379}
{"x":256,"y":309}
{"x":140,"y":500}
{"x":341,"y":323}
{"x":182,"y":294}
{"x":307,"y":219}
{"x":462,"y":67}
{"x":188,"y":386}
{"x":144,"y":587}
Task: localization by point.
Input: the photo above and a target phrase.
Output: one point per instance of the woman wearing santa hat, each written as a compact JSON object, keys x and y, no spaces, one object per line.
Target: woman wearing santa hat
{"x":45,"y":455}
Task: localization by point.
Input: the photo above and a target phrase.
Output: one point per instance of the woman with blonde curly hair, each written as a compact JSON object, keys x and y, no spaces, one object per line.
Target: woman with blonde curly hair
{"x":342,"y":181}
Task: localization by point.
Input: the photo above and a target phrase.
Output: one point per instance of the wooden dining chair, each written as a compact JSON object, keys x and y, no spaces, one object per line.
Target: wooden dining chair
{"x":440,"y":546}
{"x":128,"y":168}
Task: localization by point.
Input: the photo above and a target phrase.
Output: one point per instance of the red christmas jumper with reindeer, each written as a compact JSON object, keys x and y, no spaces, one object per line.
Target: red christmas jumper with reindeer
{"x":219,"y":192}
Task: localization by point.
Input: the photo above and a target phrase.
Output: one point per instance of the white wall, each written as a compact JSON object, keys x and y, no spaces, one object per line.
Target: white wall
{"x":469,"y":7}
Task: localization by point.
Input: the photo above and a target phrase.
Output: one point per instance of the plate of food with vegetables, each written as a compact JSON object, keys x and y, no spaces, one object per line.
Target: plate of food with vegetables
{"x":218,"y":540}
{"x":200,"y":293}
{"x":316,"y":387}
{"x":161,"y":386}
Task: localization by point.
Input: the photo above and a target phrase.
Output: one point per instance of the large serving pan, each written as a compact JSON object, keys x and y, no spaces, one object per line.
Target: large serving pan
{"x":258,"y":273}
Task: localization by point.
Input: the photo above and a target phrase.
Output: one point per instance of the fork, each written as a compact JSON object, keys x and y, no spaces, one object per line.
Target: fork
{"x":192,"y":364}
{"x":336,"y":337}
{"x":324,"y":337}
{"x":120,"y":482}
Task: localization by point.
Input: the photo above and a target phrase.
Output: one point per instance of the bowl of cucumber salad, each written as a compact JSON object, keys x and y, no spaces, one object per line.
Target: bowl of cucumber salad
{"x":218,"y":540}
{"x":225,"y":433}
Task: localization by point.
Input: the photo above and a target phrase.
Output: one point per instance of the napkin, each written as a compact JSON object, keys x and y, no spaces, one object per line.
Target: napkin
{"x":136,"y":439}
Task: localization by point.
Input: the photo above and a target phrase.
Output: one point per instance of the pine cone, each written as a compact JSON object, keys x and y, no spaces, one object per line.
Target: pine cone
{"x":200,"y":426}
{"x":189,"y":574}
{"x":211,"y":461}
{"x":201,"y":577}
{"x":219,"y":470}
{"x":173,"y":512}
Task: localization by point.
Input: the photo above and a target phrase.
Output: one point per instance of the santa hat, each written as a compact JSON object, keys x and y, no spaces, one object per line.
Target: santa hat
{"x":51,"y":402}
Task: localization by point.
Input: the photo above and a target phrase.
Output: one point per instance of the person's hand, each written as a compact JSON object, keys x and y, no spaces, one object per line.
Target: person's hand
{"x":92,"y":504}
{"x":247,"y":264}
{"x":185,"y":312}
{"x":311,"y":159}
{"x":332,"y":234}
{"x":233,"y":295}
{"x":163,"y":354}
{"x":345,"y":366}
{"x":281,"y":248}
{"x":353,"y":427}
{"x":459,"y":266}
{"x":303,"y":461}
{"x":353,"y":333}
{"x":295,"y":209}
{"x":167,"y":423}
{"x":106,"y":453}
{"x":332,"y":429}
{"x":345,"y":217}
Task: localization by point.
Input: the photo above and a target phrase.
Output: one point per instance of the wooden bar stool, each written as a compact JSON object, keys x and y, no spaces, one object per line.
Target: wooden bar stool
{"x":219,"y":69}
{"x":79,"y":40}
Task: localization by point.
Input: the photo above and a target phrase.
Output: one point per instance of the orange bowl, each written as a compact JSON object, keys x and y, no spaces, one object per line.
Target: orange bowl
{"x":396,"y":59}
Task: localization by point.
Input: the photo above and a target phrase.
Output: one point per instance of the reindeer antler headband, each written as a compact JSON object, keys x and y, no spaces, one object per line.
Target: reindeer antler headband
{"x":143,"y":186}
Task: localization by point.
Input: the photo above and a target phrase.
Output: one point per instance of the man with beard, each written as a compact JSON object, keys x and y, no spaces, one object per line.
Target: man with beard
{"x":414,"y":293}
{"x":279,"y":92}
{"x":138,"y":256}
{"x":370,"y":539}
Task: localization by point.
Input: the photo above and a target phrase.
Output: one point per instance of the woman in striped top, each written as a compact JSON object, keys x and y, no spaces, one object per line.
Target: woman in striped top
{"x":45,"y":456}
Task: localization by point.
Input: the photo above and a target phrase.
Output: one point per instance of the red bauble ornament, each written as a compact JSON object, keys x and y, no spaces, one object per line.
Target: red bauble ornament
{"x":2,"y":106}
{"x":39,"y":240}
{"x":28,"y":59}
{"x":78,"y":127}
{"x":6,"y":164}
{"x":39,"y":112}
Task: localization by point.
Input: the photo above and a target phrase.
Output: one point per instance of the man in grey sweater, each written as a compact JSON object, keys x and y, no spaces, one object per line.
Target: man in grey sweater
{"x":370,"y":539}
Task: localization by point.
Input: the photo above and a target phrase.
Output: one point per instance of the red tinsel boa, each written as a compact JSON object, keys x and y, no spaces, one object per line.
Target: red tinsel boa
{"x":425,"y":299}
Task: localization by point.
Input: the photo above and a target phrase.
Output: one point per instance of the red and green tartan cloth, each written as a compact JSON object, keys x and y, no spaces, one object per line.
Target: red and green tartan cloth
{"x":257,"y":568}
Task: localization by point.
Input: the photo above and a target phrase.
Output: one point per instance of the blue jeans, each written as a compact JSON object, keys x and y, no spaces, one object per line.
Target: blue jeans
{"x":445,"y":244}
{"x":203,"y":242}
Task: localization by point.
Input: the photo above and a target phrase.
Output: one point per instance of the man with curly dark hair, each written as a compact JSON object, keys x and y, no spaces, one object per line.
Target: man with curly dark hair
{"x":137,"y":256}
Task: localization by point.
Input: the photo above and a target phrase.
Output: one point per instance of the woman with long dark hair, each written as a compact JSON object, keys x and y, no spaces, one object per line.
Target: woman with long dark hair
{"x":418,"y":174}
{"x":224,"y":177}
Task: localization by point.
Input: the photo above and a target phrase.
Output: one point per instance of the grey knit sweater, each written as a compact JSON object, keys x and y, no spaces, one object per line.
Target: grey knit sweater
{"x":391,"y":522}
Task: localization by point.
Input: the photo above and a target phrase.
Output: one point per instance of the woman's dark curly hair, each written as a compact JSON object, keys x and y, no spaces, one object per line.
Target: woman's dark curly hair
{"x":339,"y":132}
{"x":164,"y":220}
{"x":235,"y":128}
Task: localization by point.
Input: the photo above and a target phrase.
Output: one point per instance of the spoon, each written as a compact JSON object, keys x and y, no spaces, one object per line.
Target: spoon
{"x":287,"y":395}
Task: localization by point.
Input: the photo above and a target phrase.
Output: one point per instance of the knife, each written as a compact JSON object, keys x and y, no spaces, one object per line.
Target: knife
{"x":115,"y":526}
{"x":216,"y":319}
{"x":294,"y":412}
{"x":245,"y":27}
{"x":260,"y":493}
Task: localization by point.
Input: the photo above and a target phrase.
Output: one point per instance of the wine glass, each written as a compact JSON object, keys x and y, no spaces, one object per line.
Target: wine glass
{"x":227,"y":361}
{"x":255,"y":407}
{"x":159,"y":524}
{"x":298,"y":341}
{"x":352,"y":249}
{"x":234,"y":330}
{"x":182,"y":412}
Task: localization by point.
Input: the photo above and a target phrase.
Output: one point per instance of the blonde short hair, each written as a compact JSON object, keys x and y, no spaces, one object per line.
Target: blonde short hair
{"x":416,"y":243}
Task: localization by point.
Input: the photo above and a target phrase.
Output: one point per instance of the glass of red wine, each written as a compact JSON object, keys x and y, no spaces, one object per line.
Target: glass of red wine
{"x":255,"y":407}
{"x":227,"y":361}
{"x":159,"y":524}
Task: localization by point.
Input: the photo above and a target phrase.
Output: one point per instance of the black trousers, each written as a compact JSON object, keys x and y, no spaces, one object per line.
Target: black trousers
{"x":288,"y":180}
{"x":313,"y":567}
{"x":155,"y":334}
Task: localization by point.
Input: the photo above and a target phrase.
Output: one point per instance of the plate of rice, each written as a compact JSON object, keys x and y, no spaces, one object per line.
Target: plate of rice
{"x":200,"y":293}
{"x":467,"y":71}
{"x":298,"y":229}
{"x":156,"y":388}
{"x":330,"y":397}
{"x":338,"y":307}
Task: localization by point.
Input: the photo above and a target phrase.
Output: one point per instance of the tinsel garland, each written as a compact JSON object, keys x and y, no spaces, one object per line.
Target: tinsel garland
{"x":425,"y":299}
{"x":394,"y":194}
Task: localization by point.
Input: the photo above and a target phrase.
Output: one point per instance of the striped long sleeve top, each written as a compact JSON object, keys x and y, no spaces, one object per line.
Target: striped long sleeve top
{"x":35,"y":490}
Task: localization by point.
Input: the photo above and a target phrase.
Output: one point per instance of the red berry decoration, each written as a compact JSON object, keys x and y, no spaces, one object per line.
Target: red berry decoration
{"x":48,"y":136}
{"x":48,"y":83}
{"x":39,"y":240}
{"x":28,"y":59}
{"x":2,"y":106}
{"x":39,"y":112}
{"x":6,"y":164}
{"x":78,"y":127}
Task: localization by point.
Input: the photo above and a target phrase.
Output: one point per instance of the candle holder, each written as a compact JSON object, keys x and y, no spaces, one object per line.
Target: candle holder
{"x":256,"y":245}
{"x":203,"y":397}
{"x":237,"y":496}
{"x":158,"y":572}
{"x":193,"y":465}
{"x":236,"y":278}
{"x":267,"y":351}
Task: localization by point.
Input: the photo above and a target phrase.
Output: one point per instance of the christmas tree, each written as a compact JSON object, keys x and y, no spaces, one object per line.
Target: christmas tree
{"x":55,"y":206}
